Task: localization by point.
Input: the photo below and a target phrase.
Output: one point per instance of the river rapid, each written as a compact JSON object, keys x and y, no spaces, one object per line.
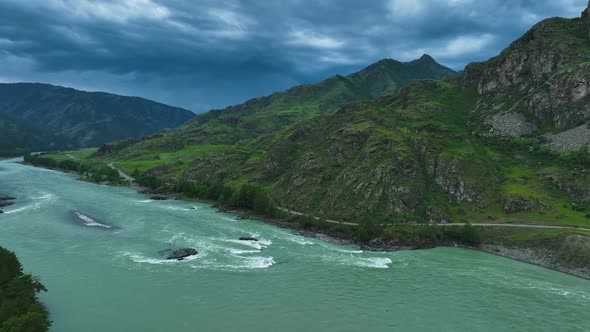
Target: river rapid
{"x":106,"y":273}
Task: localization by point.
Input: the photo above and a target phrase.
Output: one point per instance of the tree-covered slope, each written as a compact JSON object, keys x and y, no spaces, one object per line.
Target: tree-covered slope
{"x":40,"y":116}
{"x":20,"y":309}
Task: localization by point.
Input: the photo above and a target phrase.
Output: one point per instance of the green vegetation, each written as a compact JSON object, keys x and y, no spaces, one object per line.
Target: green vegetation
{"x":92,"y":172}
{"x":20,"y":310}
{"x":63,"y":118}
{"x":390,"y":152}
{"x":249,"y":197}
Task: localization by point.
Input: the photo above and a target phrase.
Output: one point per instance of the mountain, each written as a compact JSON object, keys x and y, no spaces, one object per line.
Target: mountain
{"x":270,"y":113}
{"x":503,"y":142}
{"x":47,"y":117}
{"x":493,"y":143}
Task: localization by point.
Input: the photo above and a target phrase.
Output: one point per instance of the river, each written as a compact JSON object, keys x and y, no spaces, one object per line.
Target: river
{"x":115,"y":279}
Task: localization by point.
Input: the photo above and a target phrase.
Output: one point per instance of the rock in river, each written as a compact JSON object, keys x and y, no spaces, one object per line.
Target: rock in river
{"x":248,"y":238}
{"x":159,"y":198}
{"x":181,"y":254}
{"x":6,"y":201}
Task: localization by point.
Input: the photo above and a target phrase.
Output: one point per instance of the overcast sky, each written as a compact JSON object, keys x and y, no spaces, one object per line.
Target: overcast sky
{"x":203,"y":54}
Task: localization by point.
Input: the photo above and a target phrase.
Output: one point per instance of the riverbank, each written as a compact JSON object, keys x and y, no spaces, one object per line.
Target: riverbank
{"x":412,"y":237}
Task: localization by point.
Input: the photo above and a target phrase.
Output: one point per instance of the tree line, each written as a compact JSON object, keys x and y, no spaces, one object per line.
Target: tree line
{"x":20,"y":310}
{"x":91,"y":172}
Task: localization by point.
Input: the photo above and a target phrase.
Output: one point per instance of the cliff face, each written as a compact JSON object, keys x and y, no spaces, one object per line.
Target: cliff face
{"x":540,"y":83}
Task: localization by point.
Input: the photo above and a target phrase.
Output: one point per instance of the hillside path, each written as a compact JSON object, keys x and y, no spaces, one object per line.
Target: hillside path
{"x":121,"y":173}
{"x":456,"y":224}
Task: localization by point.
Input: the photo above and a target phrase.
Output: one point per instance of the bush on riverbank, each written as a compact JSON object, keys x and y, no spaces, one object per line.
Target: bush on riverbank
{"x":20,"y":310}
{"x":92,"y":172}
{"x":250,"y":197}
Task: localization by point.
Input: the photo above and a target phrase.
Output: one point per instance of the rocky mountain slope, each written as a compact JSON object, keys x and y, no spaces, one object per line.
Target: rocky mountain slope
{"x":44,"y":117}
{"x":493,"y":144}
{"x":504,"y":142}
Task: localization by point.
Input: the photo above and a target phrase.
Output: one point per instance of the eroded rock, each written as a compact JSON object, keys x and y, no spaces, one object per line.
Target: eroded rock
{"x":181,"y":254}
{"x":519,"y":203}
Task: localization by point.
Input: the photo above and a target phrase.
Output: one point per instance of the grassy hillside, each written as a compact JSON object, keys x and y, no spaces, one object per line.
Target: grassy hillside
{"x":274,"y":112}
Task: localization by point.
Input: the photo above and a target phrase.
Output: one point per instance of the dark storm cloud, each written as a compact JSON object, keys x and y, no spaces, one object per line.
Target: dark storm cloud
{"x":205,"y":54}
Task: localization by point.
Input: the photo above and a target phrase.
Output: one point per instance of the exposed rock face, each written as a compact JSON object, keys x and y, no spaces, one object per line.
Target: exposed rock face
{"x":181,"y":254}
{"x":509,"y":124}
{"x":517,"y":203}
{"x":575,"y":183}
{"x":586,"y":18}
{"x":544,"y":76}
{"x":569,"y":253}
{"x":570,"y":140}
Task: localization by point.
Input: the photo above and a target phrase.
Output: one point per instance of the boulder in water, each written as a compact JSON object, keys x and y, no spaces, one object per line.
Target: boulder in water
{"x":159,"y":198}
{"x":6,"y":201}
{"x":248,"y":238}
{"x":180,"y":254}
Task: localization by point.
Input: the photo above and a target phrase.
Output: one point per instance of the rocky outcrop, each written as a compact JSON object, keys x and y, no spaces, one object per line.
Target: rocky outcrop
{"x":181,"y":254}
{"x":569,"y":252}
{"x":519,"y":203}
{"x":542,"y":79}
{"x":586,"y":18}
{"x":509,"y":124}
{"x":576,"y":183}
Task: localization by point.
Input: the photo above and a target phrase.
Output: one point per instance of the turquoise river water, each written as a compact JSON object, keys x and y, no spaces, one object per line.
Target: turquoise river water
{"x":115,"y":279}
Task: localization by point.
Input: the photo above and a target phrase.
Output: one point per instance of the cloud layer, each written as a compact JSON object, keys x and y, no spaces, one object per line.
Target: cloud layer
{"x":209,"y":53}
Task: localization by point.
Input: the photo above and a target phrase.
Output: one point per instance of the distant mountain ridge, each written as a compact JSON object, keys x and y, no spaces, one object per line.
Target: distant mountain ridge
{"x":36,"y":116}
{"x":267,"y":114}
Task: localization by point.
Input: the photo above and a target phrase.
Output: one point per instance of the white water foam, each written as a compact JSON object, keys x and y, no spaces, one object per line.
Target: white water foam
{"x":251,"y":244}
{"x":90,"y":222}
{"x":24,"y":208}
{"x":240,"y":251}
{"x":145,"y":201}
{"x":344,"y":251}
{"x":300,"y":240}
{"x":374,"y":262}
{"x":138,"y":258}
{"x":44,"y":196}
{"x":175,"y":208}
{"x":259,"y":262}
